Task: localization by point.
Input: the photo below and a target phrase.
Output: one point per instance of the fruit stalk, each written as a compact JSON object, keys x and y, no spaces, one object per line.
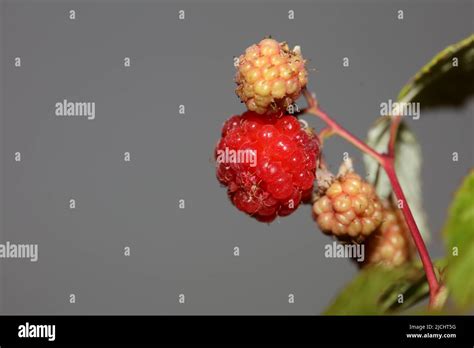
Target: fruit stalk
{"x":338,"y":129}
{"x":386,"y":160}
{"x":415,"y":233}
{"x":394,"y":125}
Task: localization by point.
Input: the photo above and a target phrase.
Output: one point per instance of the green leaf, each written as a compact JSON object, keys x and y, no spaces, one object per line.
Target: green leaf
{"x":438,"y":83}
{"x":459,"y":233}
{"x":375,"y":291}
{"x":407,"y":165}
{"x":421,"y":290}
{"x":441,"y":83}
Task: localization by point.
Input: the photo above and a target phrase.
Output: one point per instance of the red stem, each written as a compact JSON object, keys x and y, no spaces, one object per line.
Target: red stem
{"x":387,"y":161}
{"x":393,"y":135}
{"x":415,"y":233}
{"x":346,"y":134}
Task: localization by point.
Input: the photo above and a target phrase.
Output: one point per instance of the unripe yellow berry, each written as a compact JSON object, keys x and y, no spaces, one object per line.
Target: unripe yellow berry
{"x":350,"y":208}
{"x":391,"y":244}
{"x":270,"y":69}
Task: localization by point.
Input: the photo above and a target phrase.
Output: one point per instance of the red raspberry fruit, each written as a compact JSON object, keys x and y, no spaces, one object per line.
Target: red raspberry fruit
{"x":391,"y":245}
{"x":267,"y":163}
{"x":270,"y":77}
{"x":349,"y":209}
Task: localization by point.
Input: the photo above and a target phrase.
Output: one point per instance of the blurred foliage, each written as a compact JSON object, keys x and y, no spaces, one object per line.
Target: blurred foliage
{"x":375,"y":291}
{"x":446,"y":80}
{"x":459,"y":235}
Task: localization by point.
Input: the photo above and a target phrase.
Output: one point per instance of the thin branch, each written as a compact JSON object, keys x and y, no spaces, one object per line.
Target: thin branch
{"x":325,"y":133}
{"x":415,"y":232}
{"x":394,"y":125}
{"x":346,"y":134}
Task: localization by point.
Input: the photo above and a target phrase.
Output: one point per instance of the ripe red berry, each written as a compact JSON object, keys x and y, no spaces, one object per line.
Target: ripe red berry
{"x":266,"y":163}
{"x":282,"y":147}
{"x":230,"y":124}
{"x":288,"y":126}
{"x":266,"y":133}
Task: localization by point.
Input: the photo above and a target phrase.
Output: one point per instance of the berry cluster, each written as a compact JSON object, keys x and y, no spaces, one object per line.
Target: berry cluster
{"x":268,"y":162}
{"x":349,"y":209}
{"x":283,"y":172}
{"x":270,"y":77}
{"x":390,"y":245}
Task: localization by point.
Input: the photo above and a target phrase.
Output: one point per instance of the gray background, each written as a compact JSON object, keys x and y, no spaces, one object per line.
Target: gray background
{"x":134,"y":204}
